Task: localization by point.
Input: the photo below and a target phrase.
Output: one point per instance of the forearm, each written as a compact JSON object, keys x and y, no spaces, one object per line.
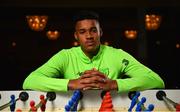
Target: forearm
{"x":149,"y":81}
{"x":42,"y":83}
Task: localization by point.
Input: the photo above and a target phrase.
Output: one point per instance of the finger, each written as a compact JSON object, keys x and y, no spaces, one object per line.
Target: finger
{"x":98,"y":73}
{"x":87,"y":81}
{"x":94,"y":69}
{"x":87,"y":88}
{"x":93,"y":85}
{"x":90,"y":86}
{"x":92,"y":74}
{"x":103,"y":80}
{"x":103,"y":86}
{"x":99,"y":79}
{"x":86,"y":75}
{"x":88,"y":71}
{"x":93,"y":79}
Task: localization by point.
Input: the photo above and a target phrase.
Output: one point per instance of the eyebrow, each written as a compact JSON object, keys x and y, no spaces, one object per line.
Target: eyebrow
{"x":87,"y":29}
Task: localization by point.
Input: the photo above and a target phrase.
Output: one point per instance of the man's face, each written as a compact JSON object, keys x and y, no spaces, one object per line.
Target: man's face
{"x":88,"y":33}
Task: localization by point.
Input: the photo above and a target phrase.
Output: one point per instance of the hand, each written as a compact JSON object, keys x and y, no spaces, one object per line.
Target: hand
{"x":75,"y":84}
{"x":94,"y":75}
{"x":109,"y":85}
{"x":88,"y":80}
{"x":99,"y":80}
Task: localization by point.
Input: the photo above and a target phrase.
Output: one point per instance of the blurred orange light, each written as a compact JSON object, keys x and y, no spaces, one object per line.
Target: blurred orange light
{"x":106,"y":43}
{"x":13,"y":44}
{"x":152,"y":22}
{"x":37,"y":23}
{"x":130,"y":34}
{"x":177,"y":45}
{"x":53,"y":35}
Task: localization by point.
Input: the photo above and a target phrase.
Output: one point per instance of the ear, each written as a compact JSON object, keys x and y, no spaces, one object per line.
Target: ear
{"x":75,"y":36}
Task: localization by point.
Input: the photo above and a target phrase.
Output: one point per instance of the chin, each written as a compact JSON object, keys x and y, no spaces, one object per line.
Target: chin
{"x":91,"y":49}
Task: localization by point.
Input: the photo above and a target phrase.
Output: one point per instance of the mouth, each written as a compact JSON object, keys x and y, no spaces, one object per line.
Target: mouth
{"x":90,"y":43}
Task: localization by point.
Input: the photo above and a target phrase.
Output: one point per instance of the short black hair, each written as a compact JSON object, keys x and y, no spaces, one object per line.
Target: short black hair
{"x":85,"y":14}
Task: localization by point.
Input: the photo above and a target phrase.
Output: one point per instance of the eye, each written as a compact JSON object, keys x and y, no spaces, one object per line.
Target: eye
{"x":94,"y":30}
{"x":81,"y":31}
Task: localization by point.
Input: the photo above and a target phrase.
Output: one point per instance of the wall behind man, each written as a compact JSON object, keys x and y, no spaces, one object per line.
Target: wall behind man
{"x":23,"y":50}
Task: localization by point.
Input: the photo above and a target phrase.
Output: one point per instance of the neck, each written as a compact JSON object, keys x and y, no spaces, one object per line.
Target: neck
{"x":93,"y":53}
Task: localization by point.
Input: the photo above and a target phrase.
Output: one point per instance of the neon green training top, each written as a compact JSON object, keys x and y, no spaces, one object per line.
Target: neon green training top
{"x":67,"y":64}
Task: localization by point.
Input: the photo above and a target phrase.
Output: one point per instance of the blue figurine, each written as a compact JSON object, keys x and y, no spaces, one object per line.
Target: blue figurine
{"x":134,"y":101}
{"x":73,"y":102}
{"x":140,"y":104}
{"x":12,"y":103}
{"x":150,"y":108}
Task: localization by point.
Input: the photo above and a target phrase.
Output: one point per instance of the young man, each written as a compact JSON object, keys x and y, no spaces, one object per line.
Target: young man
{"x":92,"y":65}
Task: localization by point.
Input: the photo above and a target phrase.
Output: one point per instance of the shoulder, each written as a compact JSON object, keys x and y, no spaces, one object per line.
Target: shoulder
{"x":111,"y":49}
{"x":70,"y":50}
{"x":65,"y":54}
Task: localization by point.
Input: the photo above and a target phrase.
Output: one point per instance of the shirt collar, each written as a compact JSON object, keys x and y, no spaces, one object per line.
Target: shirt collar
{"x":86,"y":59}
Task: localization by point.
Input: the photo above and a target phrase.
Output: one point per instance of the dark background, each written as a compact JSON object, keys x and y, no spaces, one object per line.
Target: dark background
{"x":156,"y":49}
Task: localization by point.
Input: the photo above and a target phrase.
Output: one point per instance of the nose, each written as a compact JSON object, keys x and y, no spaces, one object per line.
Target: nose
{"x":89,"y":35}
